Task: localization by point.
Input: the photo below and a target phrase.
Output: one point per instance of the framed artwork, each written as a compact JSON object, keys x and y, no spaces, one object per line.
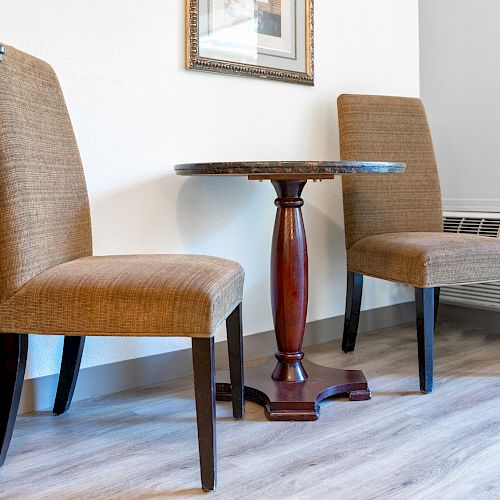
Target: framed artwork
{"x":270,"y":39}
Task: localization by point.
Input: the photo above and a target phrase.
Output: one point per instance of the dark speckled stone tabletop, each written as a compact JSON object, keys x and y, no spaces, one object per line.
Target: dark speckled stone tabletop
{"x":294,"y":169}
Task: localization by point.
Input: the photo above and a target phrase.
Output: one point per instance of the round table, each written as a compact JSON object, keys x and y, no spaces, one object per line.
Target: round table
{"x":287,"y":385}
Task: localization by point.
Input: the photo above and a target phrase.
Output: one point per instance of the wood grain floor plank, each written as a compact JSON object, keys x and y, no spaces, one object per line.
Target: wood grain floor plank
{"x":401,"y":444}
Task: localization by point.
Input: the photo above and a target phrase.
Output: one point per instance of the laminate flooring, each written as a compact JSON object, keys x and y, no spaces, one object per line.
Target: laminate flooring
{"x":142,"y":444}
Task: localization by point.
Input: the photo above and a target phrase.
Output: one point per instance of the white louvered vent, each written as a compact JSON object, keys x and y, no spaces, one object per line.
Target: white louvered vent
{"x":481,"y":295}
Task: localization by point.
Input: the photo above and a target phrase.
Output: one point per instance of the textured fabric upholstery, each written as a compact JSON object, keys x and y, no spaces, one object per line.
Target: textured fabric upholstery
{"x":49,"y":282}
{"x":44,"y":211}
{"x":380,"y":128}
{"x":427,"y":259}
{"x":394,"y":222}
{"x":150,"y":295}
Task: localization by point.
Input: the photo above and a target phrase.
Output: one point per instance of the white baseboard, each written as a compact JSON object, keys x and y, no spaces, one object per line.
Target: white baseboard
{"x":38,"y":394}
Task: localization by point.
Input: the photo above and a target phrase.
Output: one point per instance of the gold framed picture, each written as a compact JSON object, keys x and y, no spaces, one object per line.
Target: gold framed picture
{"x":270,"y":39}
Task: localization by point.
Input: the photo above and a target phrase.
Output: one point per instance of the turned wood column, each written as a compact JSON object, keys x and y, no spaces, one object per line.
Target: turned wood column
{"x":289,"y":280}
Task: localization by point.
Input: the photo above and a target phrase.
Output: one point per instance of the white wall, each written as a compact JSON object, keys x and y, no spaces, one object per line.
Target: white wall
{"x":137,"y":112}
{"x":460,"y":84}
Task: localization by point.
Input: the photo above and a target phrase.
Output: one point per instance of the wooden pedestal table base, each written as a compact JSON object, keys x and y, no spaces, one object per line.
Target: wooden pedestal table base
{"x":289,"y":386}
{"x":296,"y":400}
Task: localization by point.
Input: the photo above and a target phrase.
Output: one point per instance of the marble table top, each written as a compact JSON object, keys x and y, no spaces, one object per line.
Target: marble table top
{"x":290,"y":169}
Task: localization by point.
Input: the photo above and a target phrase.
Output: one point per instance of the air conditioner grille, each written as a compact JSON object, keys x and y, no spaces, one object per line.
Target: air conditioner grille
{"x":472,"y":225}
{"x":481,"y":295}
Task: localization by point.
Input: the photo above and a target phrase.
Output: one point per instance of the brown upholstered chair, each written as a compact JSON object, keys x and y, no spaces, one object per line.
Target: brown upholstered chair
{"x":393,"y":223}
{"x":50,"y":284}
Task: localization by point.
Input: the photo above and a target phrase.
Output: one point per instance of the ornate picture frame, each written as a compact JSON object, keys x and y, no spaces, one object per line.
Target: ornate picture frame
{"x":270,"y":39}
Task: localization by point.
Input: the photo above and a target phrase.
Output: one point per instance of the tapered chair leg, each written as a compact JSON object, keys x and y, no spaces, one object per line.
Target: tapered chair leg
{"x":424,"y":298}
{"x":204,"y":388}
{"x":13,"y":352}
{"x":235,"y":348}
{"x":352,"y":310}
{"x":70,"y":367}
{"x":437,"y":292}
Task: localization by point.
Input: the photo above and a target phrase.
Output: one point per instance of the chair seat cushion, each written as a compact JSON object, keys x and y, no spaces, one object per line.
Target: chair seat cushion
{"x":427,"y":259}
{"x":133,"y":295}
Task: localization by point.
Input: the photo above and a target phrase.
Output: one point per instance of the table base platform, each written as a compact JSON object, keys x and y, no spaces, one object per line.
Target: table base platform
{"x":297,"y":401}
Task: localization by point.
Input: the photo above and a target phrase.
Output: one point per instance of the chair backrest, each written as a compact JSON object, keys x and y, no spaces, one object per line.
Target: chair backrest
{"x":44,"y":209}
{"x":382,"y":128}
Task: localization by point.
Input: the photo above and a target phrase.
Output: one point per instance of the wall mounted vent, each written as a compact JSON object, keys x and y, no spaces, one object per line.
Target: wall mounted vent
{"x":479,"y":295}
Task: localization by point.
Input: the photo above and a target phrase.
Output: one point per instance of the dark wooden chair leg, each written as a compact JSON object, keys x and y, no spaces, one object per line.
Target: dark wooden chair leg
{"x":13,"y":353}
{"x":352,"y":310}
{"x":437,"y":292}
{"x":424,"y":298}
{"x":204,"y":388}
{"x":70,"y":367}
{"x":235,"y":348}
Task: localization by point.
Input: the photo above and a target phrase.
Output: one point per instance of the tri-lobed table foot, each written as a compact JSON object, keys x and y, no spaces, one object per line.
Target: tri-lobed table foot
{"x":296,"y":400}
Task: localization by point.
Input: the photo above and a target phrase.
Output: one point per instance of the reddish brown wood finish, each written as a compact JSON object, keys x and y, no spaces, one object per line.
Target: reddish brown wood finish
{"x":296,"y":401}
{"x":289,"y":280}
{"x":292,"y":388}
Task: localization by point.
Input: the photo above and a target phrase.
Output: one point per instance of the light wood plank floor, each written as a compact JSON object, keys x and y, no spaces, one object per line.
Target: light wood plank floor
{"x":400,"y":445}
